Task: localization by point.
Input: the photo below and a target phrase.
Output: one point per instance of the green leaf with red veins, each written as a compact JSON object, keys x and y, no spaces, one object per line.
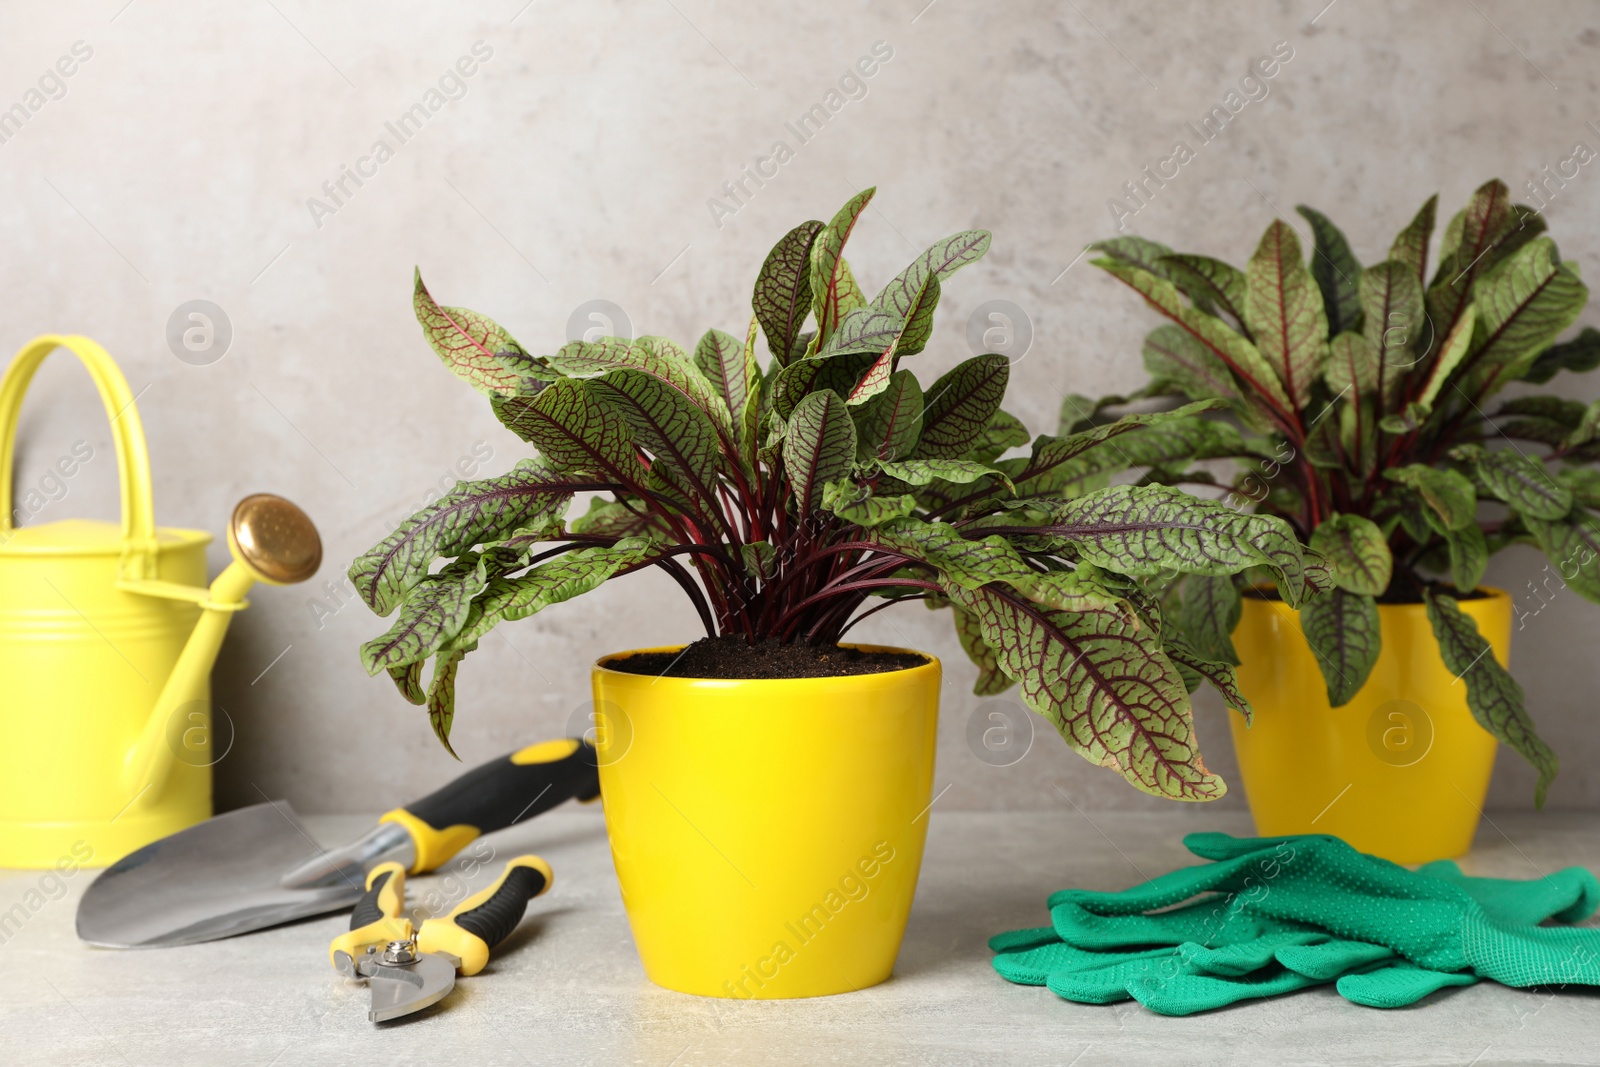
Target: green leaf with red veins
{"x":830,"y":278}
{"x":782,"y":297}
{"x":748,"y":423}
{"x":1573,"y":548}
{"x":532,"y":496}
{"x":1449,"y":358}
{"x":815,"y":374}
{"x":1555,"y":408}
{"x":1137,"y":252}
{"x":612,"y":518}
{"x":1579,"y":355}
{"x":858,"y":504}
{"x":408,"y":680}
{"x":1212,"y":284}
{"x":927,"y":471}
{"x":1357,"y":553}
{"x":919,"y":323}
{"x":1468,"y":551}
{"x":534,"y":373}
{"x":1342,"y":630}
{"x":1584,"y":484}
{"x":876,"y":378}
{"x":899,"y":320}
{"x":1004,"y":432}
{"x":1242,"y":357}
{"x":760,"y":559}
{"x":992,"y":681}
{"x":1451,"y":498}
{"x":1393,"y":322}
{"x":668,"y":425}
{"x":552,"y":582}
{"x":870,"y":329}
{"x":1411,"y":245}
{"x":442,"y":695}
{"x":665,"y":348}
{"x":1336,"y":271}
{"x":575,"y":429}
{"x":469,"y":343}
{"x":1132,"y":441}
{"x":658,"y":358}
{"x":1171,"y":354}
{"x":819,"y":446}
{"x":430,"y":616}
{"x":1152,"y":530}
{"x":887,"y":426}
{"x":1207,"y":615}
{"x":1353,"y":368}
{"x":1218,"y":675}
{"x":1523,"y":303}
{"x":1283,"y":308}
{"x":908,"y":294}
{"x":1105,"y":683}
{"x":960,"y":404}
{"x":972,"y":563}
{"x":1468,"y":241}
{"x":1493,"y":696}
{"x":1520,"y":480}
{"x":730,"y":368}
{"x":848,"y":295}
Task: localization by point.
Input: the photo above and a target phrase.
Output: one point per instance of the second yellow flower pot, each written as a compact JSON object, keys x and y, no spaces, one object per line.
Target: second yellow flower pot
{"x":767,"y":834}
{"x":1400,"y":771}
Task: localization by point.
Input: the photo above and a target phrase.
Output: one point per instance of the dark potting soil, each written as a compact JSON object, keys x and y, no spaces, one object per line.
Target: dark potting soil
{"x":734,"y":658}
{"x":1395,"y":594}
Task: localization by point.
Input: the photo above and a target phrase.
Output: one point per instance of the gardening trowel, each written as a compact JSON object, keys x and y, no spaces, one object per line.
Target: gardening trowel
{"x":258,"y":867}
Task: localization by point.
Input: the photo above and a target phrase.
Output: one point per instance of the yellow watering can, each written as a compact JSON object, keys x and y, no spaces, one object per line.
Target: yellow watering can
{"x":107,"y":636}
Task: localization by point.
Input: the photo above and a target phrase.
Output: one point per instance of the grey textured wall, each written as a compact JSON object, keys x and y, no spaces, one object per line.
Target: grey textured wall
{"x":577,"y":162}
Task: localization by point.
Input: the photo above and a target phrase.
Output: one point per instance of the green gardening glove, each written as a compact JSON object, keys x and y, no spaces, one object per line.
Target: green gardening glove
{"x":1174,"y":978}
{"x":1246,"y":954}
{"x":1320,"y":881}
{"x":1371,"y":974}
{"x":1568,"y":895}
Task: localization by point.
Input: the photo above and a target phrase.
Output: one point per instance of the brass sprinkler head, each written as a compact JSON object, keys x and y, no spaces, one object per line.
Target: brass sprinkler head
{"x":275,"y":539}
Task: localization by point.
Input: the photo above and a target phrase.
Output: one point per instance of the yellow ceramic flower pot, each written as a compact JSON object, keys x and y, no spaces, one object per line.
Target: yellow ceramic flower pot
{"x":1401,"y":770}
{"x":767,"y":834}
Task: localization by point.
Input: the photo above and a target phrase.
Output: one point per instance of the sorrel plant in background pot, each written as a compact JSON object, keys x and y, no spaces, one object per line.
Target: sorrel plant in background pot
{"x":767,"y":789}
{"x":1367,"y":396}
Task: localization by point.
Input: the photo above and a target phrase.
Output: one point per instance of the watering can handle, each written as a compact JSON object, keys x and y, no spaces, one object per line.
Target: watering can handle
{"x":133,"y":458}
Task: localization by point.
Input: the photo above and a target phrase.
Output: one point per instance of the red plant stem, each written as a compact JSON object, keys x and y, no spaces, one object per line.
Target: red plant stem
{"x":832,"y":550}
{"x":696,"y":597}
{"x":734,"y":579}
{"x":889,"y":603}
{"x":872,"y":583}
{"x":869,"y":569}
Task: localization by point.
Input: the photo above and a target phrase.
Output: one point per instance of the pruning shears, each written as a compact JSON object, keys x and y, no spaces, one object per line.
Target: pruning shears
{"x":410,"y":968}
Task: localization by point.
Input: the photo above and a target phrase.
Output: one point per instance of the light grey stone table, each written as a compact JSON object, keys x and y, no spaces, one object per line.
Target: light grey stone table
{"x":566,"y":988}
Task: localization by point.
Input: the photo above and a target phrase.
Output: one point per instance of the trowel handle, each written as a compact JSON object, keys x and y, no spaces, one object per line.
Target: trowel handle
{"x":500,"y":793}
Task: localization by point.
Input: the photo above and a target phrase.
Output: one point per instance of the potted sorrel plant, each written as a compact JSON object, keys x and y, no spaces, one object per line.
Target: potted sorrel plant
{"x":766,"y":788}
{"x":1367,"y":397}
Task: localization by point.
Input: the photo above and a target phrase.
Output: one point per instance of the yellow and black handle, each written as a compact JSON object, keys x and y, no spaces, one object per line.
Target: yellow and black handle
{"x":484,"y":919}
{"x":377,"y":917}
{"x":500,"y":793}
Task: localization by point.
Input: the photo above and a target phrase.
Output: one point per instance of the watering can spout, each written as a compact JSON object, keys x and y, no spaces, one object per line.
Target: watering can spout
{"x":271,"y":541}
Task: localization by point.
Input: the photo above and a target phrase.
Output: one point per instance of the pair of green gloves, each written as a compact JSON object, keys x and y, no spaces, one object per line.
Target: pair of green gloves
{"x":1271,"y":915}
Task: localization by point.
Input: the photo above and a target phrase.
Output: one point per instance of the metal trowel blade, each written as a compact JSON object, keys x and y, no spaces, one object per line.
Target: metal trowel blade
{"x":216,"y":879}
